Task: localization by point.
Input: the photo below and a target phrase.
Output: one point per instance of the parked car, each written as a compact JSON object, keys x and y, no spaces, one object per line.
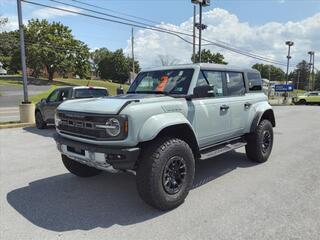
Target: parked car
{"x":307,"y":98}
{"x":170,"y":117}
{"x":46,"y":108}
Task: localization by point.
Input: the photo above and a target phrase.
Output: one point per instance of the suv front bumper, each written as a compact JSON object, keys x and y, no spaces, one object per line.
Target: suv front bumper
{"x":98,"y":156}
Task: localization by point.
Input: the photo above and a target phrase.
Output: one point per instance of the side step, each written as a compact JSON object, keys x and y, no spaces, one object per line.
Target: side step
{"x":222,"y":148}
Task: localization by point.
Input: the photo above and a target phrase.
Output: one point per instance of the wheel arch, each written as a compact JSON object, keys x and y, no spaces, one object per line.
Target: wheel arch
{"x":172,"y":125}
{"x":266,"y":115}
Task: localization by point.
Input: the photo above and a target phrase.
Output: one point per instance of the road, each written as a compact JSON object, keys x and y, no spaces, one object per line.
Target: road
{"x":10,"y":98}
{"x":232,"y":198}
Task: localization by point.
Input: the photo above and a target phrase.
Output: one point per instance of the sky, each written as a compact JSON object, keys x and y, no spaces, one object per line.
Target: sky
{"x":257,"y":26}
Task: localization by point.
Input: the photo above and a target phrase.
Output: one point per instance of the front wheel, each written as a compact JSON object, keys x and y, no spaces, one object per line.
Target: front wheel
{"x":40,"y":123}
{"x":260,"y":142}
{"x":165,"y":173}
{"x":79,"y":169}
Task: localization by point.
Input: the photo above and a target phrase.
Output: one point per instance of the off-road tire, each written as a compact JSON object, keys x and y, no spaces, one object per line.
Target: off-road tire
{"x":79,"y":169}
{"x":150,"y":174}
{"x":40,"y":123}
{"x":255,"y":148}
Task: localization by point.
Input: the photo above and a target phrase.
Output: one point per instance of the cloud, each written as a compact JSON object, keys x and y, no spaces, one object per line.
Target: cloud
{"x":11,"y":25}
{"x":52,"y":13}
{"x":266,"y":40}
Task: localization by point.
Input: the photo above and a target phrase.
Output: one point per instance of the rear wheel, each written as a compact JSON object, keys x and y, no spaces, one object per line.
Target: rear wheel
{"x":165,"y":173}
{"x":40,"y":123}
{"x":79,"y":169}
{"x":302,"y":102}
{"x":260,"y":142}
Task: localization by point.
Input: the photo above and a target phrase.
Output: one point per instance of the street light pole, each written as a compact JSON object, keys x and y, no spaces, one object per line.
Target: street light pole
{"x":290,"y":44}
{"x":310,"y":74}
{"x":200,"y":30}
{"x":313,"y":81}
{"x":194,"y":35}
{"x":23,"y":53}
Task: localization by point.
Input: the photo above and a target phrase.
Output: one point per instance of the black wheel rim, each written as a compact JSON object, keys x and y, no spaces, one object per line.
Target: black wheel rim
{"x":266,"y":141}
{"x":174,"y":175}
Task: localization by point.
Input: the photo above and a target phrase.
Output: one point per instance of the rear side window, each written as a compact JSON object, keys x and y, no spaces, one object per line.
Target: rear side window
{"x":255,"y":82}
{"x":235,"y":84}
{"x":90,"y":93}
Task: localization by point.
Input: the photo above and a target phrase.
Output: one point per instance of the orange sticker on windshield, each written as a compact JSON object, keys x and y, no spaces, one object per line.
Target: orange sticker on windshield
{"x":162,"y":84}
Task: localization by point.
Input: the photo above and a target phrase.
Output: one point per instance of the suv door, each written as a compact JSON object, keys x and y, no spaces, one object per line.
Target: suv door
{"x":53,"y":101}
{"x":239,"y":103}
{"x":212,"y":115}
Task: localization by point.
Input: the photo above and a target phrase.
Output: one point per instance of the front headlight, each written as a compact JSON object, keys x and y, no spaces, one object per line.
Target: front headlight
{"x":57,"y":120}
{"x":113,"y":127}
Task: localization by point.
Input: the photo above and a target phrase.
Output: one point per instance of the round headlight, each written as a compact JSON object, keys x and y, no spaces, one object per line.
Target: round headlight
{"x":113,"y":127}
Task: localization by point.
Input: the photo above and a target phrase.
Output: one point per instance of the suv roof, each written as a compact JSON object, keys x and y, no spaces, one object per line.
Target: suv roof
{"x":208,"y":66}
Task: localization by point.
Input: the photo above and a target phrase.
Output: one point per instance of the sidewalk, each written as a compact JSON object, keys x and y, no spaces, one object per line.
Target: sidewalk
{"x":9,"y":114}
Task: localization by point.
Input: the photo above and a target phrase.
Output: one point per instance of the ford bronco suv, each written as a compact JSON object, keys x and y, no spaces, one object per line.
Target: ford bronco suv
{"x":169,"y":118}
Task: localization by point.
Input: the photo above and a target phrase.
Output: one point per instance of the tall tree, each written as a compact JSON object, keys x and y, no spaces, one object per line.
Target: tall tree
{"x":208,"y":57}
{"x":300,"y":76}
{"x":9,"y":50}
{"x":317,"y":81}
{"x":276,"y":74}
{"x":116,"y":66}
{"x":53,"y":47}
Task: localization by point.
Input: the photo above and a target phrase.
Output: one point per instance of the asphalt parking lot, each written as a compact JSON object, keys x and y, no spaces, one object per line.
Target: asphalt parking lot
{"x":232,"y":197}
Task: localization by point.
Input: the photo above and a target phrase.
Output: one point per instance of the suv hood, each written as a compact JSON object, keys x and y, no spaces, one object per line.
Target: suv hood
{"x":110,"y":105}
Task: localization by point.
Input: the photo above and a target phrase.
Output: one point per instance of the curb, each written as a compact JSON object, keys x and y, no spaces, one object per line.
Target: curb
{"x":16,"y":125}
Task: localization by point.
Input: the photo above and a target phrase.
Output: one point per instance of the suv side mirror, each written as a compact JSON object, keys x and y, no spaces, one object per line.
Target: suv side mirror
{"x":43,"y":100}
{"x":203,"y":91}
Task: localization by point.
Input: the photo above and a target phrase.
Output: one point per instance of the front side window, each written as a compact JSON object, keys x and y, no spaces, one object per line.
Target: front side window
{"x":235,"y":84}
{"x":54,"y":96}
{"x":213,"y":79}
{"x":175,"y":81}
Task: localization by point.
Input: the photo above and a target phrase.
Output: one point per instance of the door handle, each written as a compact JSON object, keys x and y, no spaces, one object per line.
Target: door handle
{"x":247,"y":105}
{"x":224,"y":107}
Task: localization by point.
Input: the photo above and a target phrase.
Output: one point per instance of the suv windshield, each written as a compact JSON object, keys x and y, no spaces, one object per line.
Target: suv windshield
{"x":175,"y":81}
{"x":90,"y":93}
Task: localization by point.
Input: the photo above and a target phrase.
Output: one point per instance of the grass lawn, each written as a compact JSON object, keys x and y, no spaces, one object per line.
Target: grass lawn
{"x":4,"y":81}
{"x":38,"y":97}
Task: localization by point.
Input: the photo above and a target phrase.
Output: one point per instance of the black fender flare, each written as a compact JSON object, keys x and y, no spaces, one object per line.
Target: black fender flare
{"x":267,"y":114}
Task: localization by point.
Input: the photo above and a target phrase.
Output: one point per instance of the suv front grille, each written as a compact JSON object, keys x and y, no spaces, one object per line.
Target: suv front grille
{"x":83,"y":125}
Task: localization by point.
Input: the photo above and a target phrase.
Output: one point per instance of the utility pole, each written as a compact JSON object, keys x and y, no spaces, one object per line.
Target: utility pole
{"x":313,"y":80}
{"x":194,"y":35}
{"x":298,"y":80}
{"x":200,"y":30}
{"x":23,"y":54}
{"x":132,"y":48}
{"x":200,"y":26}
{"x":290,"y":44}
{"x":311,"y":72}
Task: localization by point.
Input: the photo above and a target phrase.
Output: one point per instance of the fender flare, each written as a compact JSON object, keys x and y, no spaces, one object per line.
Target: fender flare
{"x":155,"y":124}
{"x":268,"y":113}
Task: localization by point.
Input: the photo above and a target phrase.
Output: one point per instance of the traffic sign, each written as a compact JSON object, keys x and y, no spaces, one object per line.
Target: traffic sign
{"x":283,"y":88}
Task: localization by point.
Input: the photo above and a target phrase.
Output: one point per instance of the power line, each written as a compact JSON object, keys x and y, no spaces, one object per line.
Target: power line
{"x":121,"y":13}
{"x":221,"y":42}
{"x":175,"y":33}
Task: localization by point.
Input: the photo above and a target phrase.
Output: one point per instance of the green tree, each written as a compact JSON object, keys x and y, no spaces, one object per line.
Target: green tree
{"x":97,"y":56}
{"x":9,"y":50}
{"x":116,"y":66}
{"x":53,"y":47}
{"x":276,"y":74}
{"x":208,"y":57}
{"x":300,"y":76}
{"x":317,"y":81}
